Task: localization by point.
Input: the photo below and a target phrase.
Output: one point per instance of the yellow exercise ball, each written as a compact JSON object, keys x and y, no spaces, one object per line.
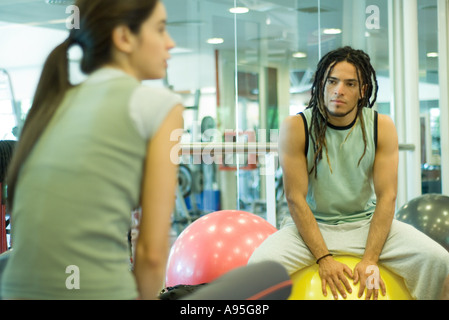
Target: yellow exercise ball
{"x":307,"y":284}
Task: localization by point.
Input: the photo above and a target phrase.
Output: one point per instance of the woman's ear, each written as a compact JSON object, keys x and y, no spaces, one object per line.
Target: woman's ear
{"x":123,"y":39}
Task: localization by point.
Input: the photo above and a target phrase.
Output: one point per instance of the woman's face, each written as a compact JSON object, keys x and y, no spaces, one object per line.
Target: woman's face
{"x":151,"y":46}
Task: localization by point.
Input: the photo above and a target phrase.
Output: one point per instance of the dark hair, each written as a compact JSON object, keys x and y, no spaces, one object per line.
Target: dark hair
{"x":368,"y":82}
{"x":98,"y":18}
{"x":6,"y":151}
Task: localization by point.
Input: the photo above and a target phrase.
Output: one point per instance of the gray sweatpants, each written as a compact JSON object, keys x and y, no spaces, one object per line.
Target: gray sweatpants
{"x":422,"y":262}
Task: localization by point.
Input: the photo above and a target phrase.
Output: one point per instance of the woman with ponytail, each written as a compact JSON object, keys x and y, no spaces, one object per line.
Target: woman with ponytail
{"x":88,"y":155}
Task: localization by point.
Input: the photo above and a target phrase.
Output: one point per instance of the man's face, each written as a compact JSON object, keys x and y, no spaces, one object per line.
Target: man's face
{"x":341,"y":93}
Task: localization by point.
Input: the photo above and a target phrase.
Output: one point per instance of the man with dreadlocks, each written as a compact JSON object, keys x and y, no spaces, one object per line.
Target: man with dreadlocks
{"x":340,"y":159}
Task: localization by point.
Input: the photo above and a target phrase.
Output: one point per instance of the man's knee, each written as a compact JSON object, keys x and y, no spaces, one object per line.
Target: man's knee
{"x":258,"y":255}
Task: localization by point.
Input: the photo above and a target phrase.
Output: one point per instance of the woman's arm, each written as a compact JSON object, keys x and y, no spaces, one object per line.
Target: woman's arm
{"x":158,"y":198}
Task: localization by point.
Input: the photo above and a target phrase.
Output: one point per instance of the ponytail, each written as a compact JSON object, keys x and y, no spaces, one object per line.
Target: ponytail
{"x":53,"y":84}
{"x":94,"y":37}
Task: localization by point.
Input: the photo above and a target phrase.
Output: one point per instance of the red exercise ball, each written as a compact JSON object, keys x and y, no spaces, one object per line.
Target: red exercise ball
{"x":215,"y":244}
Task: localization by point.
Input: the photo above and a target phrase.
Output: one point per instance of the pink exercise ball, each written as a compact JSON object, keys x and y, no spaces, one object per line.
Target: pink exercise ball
{"x":215,"y":244}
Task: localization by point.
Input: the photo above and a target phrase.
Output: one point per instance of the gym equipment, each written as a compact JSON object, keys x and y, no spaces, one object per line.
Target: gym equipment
{"x":4,"y":221}
{"x":266,"y":280}
{"x":213,"y":245}
{"x":307,"y":284}
{"x":6,"y":152}
{"x":230,"y":162}
{"x":185,"y":180}
{"x":10,"y":129}
{"x":428,"y":213}
{"x":12,"y":122}
{"x":4,"y":257}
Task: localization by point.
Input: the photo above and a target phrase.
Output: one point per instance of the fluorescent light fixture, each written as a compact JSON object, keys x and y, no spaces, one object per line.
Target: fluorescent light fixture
{"x":432,"y":54}
{"x":41,"y":23}
{"x":215,"y":40}
{"x":299,"y":55}
{"x":239,"y":10}
{"x":178,"y":50}
{"x":332,"y":31}
{"x":208,"y":90}
{"x":59,"y":1}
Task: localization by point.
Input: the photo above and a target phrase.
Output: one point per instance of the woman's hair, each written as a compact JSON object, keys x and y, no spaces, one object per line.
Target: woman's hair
{"x":366,"y":76}
{"x":98,"y":18}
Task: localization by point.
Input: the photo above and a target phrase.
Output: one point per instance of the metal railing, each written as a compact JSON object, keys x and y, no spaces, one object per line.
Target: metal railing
{"x":214,"y":148}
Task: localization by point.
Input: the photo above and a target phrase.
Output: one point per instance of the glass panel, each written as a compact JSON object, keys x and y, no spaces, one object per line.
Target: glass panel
{"x":259,"y":70}
{"x":429,"y":96}
{"x":20,"y":70}
{"x":240,"y":75}
{"x":282,"y":41}
{"x":202,"y":70}
{"x":8,"y":120}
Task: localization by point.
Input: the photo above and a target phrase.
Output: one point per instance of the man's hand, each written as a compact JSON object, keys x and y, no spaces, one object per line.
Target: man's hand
{"x":334,"y":274}
{"x":367,"y":273}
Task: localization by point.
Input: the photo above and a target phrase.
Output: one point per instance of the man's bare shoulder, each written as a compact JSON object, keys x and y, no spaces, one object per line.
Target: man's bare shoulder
{"x":293,"y":122}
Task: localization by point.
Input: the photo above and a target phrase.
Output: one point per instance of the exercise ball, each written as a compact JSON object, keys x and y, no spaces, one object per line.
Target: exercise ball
{"x":307,"y":284}
{"x":213,"y":245}
{"x":428,"y":213}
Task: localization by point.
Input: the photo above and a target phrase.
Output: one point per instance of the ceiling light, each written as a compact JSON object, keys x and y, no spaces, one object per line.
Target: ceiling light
{"x":332,"y":31}
{"x":299,"y":55}
{"x":185,"y":23}
{"x":432,"y":54}
{"x":239,"y":10}
{"x":179,"y":50}
{"x":59,"y":1}
{"x":215,"y":40}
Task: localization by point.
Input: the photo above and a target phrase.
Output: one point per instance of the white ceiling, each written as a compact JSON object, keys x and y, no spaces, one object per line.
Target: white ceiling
{"x":30,"y":11}
{"x":192,"y":20}
{"x":187,"y":16}
{"x":293,"y":27}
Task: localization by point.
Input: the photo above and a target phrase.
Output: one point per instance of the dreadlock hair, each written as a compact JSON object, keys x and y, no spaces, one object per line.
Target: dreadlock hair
{"x":366,"y":75}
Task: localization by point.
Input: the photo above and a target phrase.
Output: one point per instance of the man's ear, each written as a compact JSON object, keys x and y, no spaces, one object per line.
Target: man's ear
{"x":123,"y":39}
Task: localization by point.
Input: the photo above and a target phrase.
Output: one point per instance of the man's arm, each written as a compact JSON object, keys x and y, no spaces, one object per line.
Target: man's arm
{"x":385,"y":184}
{"x":294,"y":166}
